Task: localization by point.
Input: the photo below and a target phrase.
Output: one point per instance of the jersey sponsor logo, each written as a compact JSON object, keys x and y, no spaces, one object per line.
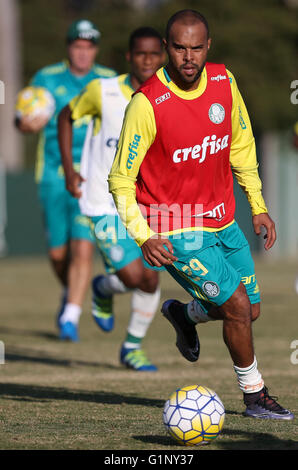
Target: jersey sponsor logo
{"x":112,"y":142}
{"x":211,"y":289}
{"x":163,"y":98}
{"x":132,"y":148}
{"x":241,"y":120}
{"x":218,"y":212}
{"x":218,"y":78}
{"x":212,"y":143}
{"x":216,"y":113}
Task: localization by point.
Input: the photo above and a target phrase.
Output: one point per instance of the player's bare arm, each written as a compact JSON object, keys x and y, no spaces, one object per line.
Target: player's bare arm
{"x":264,"y":220}
{"x":155,"y":253}
{"x":72,"y":178}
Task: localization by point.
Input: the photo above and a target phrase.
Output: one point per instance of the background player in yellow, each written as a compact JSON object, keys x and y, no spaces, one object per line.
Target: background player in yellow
{"x":70,"y":243}
{"x":219,"y":256}
{"x":106,"y":100}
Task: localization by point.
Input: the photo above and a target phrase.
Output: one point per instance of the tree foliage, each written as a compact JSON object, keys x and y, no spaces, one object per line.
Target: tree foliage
{"x":257,"y":41}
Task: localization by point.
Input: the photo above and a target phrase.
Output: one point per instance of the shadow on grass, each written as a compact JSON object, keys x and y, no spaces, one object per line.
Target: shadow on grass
{"x":23,"y":332}
{"x":39,"y":357}
{"x":249,"y":440}
{"x":255,"y":440}
{"x":11,"y":391}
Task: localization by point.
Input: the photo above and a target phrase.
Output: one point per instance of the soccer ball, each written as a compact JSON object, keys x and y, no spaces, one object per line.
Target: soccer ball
{"x":35,"y":101}
{"x":194,"y":415}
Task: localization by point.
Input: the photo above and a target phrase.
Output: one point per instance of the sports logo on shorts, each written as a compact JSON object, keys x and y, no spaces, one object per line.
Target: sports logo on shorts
{"x":216,"y":113}
{"x":211,"y":289}
{"x":116,"y":253}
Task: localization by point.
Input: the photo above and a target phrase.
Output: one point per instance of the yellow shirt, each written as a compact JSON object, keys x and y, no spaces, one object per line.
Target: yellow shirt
{"x":89,"y":101}
{"x":139,"y":119}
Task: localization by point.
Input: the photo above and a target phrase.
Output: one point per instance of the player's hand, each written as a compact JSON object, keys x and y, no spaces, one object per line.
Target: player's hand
{"x":263,"y":220}
{"x":156,"y":254}
{"x":29,"y":124}
{"x":73,"y":184}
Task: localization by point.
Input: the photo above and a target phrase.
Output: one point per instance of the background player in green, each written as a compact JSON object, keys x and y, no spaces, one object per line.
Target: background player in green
{"x":70,"y":243}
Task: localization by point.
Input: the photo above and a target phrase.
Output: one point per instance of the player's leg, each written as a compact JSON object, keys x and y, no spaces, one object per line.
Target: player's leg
{"x":237,"y":333}
{"x":59,"y":258}
{"x":53,"y":203}
{"x":144,"y":303}
{"x":79,"y":276}
{"x":221,"y":285}
{"x":125,"y":273}
{"x":201,"y":270}
{"x":81,"y":245}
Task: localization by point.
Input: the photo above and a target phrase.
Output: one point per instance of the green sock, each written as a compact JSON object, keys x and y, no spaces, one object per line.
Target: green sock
{"x":132,"y":341}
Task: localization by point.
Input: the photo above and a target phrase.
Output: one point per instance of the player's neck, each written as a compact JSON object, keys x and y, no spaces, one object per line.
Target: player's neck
{"x":134,"y":82}
{"x":176,"y":79}
{"x":78,"y":72}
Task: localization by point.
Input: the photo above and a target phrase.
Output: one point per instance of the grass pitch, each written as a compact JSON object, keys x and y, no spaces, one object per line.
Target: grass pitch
{"x":57,"y":395}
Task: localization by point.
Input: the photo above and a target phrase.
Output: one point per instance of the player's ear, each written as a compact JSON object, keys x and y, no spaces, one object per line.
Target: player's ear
{"x":165,"y":43}
{"x":209,"y":43}
{"x":128,"y":56}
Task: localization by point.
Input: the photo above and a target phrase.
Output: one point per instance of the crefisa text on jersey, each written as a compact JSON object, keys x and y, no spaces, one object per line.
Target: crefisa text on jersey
{"x":151,"y":459}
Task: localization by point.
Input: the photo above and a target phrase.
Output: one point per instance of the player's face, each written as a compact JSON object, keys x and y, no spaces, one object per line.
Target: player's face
{"x":81,"y":55}
{"x":145,"y":58}
{"x":187,"y":48}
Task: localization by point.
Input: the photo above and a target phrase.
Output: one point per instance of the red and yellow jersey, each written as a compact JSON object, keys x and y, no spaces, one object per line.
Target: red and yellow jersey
{"x":177,"y":149}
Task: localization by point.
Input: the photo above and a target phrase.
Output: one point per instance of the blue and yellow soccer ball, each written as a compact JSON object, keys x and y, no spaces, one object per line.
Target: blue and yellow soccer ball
{"x":34,"y":101}
{"x":194,"y":415}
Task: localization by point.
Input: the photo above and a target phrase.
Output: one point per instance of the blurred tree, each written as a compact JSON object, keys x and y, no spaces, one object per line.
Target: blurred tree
{"x":257,"y":41}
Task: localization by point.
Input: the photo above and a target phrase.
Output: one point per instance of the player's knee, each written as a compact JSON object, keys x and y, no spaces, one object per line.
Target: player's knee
{"x":255,"y":311}
{"x":58,"y":255}
{"x":81,"y":251}
{"x":131,"y":275}
{"x":150,"y":281}
{"x":238,"y":307}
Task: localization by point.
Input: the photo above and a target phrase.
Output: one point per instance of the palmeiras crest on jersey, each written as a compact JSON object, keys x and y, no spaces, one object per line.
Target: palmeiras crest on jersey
{"x":216,"y":113}
{"x":211,"y":288}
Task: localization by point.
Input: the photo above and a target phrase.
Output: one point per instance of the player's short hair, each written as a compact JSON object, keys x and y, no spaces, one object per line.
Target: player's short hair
{"x":144,"y":32}
{"x":183,"y":14}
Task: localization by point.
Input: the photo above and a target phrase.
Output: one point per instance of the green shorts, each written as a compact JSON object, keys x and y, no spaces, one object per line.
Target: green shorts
{"x":62,"y":216}
{"x":116,"y":247}
{"x":211,"y":265}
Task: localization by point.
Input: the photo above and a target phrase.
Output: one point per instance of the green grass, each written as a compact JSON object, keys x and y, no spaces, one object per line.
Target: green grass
{"x":56,"y":395}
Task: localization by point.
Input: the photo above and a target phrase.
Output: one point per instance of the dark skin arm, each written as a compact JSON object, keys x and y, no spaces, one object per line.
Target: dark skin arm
{"x":156,"y":254}
{"x":72,"y":178}
{"x":264,"y":220}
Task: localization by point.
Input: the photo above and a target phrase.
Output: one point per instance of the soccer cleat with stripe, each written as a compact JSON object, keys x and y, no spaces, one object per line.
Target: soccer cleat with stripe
{"x":136,"y":359}
{"x":263,"y":406}
{"x":187,"y":340}
{"x":102,"y":308}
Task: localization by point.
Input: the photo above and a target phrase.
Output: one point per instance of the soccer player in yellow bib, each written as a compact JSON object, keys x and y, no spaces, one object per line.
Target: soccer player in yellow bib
{"x":178,"y":115}
{"x":106,"y":101}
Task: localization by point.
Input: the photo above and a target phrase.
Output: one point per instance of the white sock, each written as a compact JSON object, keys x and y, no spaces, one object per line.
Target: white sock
{"x":249,"y":378}
{"x":196,"y":313}
{"x":110,"y":284}
{"x":71,"y":313}
{"x":144,"y":306}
